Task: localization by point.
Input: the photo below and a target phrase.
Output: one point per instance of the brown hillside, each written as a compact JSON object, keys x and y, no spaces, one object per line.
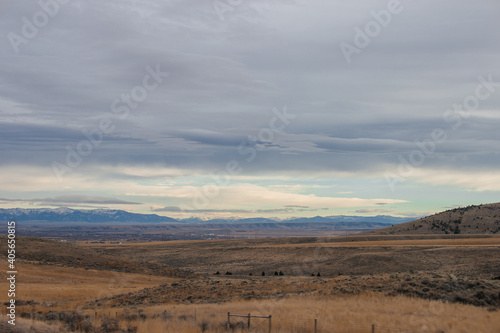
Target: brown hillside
{"x":482,"y":219}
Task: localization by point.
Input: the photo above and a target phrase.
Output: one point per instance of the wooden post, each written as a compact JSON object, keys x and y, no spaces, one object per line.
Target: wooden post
{"x":228,"y":319}
{"x":249,"y":321}
{"x":315,"y":325}
{"x":195,"y":315}
{"x":269,"y":323}
{"x":373,"y":328}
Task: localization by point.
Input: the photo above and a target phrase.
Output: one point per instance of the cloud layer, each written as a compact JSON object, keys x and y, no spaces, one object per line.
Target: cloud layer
{"x":150,"y":99}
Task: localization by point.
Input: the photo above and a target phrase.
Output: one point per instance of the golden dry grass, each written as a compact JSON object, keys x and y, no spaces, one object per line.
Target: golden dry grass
{"x":72,"y":286}
{"x":472,"y":257}
{"x":409,"y":242}
{"x":356,"y":313}
{"x":29,"y":326}
{"x":491,"y":241}
{"x":67,"y":288}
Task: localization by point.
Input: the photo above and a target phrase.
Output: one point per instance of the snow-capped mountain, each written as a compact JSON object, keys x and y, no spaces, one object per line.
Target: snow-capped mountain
{"x":75,"y":215}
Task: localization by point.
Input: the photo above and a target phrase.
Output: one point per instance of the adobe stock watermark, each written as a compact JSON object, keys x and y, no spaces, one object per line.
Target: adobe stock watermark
{"x":372,"y":29}
{"x":121,"y":107}
{"x":31,"y":26}
{"x":223,"y":6}
{"x":11,"y":272}
{"x":249,"y":148}
{"x":454,"y":118}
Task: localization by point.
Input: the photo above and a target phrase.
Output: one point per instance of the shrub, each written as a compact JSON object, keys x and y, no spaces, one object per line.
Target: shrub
{"x":204,"y":326}
{"x":110,"y":326}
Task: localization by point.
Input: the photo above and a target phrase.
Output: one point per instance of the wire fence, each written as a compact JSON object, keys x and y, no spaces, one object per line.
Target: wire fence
{"x":308,"y":326}
{"x":249,"y":317}
{"x":233,"y":323}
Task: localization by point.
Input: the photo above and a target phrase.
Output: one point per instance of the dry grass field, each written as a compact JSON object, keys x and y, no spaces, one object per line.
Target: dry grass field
{"x":470,"y":257}
{"x":411,"y":285}
{"x":354,"y":313}
{"x":68,"y":287}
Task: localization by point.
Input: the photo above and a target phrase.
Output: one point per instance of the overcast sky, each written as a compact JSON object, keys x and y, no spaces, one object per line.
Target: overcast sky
{"x":250,"y":108}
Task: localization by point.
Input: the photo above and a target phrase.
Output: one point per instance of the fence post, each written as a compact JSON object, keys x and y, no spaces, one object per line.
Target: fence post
{"x":315,"y":325}
{"x":249,"y":321}
{"x":373,"y":328}
{"x":269,"y":323}
{"x":228,"y":319}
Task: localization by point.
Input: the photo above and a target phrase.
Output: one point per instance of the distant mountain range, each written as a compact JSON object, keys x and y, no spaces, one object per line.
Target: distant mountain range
{"x":76,"y":215}
{"x":107,"y":215}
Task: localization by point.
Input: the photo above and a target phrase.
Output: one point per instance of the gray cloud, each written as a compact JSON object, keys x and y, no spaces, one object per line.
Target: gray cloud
{"x":71,"y":199}
{"x":390,"y":212}
{"x":225,"y":77}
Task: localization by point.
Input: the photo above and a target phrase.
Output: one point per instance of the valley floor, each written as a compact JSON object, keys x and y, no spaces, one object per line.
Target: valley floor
{"x":395,"y":285}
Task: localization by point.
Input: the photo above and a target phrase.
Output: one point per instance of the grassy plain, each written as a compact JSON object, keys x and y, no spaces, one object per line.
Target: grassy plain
{"x":353,"y":313}
{"x":472,"y":257}
{"x":68,"y":287}
{"x":417,"y":285}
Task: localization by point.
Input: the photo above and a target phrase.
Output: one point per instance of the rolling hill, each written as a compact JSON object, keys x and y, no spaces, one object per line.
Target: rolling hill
{"x":41,"y":251}
{"x":480,"y":219}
